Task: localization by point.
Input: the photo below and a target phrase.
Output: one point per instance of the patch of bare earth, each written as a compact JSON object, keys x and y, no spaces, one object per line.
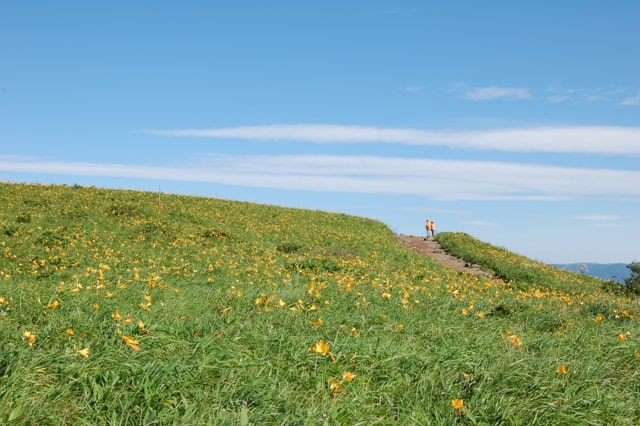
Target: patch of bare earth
{"x":428,"y":247}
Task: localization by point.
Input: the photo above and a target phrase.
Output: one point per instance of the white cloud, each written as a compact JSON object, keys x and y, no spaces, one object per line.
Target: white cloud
{"x":556,"y":99}
{"x":494,"y":92}
{"x":598,"y":217}
{"x":605,"y":225}
{"x":569,"y":139}
{"x":435,"y":179}
{"x":631,"y":101}
{"x":601,"y":220}
{"x":413,"y":89}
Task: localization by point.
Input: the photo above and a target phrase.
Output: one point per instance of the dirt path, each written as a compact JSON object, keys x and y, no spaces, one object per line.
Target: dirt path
{"x":430,"y":248}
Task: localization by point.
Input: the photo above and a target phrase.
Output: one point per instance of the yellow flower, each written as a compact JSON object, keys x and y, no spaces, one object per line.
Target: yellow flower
{"x":322,"y":348}
{"x":621,"y":337}
{"x":515,"y":341}
{"x":458,"y":407}
{"x":334,"y":386}
{"x":562,"y":370}
{"x":53,"y":305}
{"x":386,"y":295}
{"x":70,"y":332}
{"x":31,"y":338}
{"x":348,"y":376}
{"x":145,"y":306}
{"x":83,"y":352}
{"x":599,"y":318}
{"x":131,"y":342}
{"x":316,"y":323}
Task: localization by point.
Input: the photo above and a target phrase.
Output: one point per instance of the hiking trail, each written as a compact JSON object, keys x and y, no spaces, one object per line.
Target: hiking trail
{"x":430,"y":248}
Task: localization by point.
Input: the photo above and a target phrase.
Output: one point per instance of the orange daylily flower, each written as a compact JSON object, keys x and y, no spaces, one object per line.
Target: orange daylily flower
{"x":131,"y":342}
{"x":53,"y":305}
{"x":515,"y":341}
{"x":458,"y":407}
{"x":322,"y":348}
{"x":562,"y":370}
{"x":83,"y":352}
{"x":31,"y":338}
{"x":334,"y":386}
{"x":348,"y":376}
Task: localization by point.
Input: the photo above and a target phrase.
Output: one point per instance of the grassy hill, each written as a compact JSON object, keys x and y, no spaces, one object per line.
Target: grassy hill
{"x":121,"y":307}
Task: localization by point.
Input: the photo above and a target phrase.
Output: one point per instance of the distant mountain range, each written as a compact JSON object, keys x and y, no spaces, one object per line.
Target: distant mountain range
{"x":606,"y":271}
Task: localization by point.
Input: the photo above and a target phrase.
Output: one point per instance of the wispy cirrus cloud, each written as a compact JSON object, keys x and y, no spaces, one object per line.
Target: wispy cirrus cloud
{"x":632,"y":100}
{"x":552,"y":94}
{"x":494,"y":92}
{"x":413,"y":89}
{"x":557,"y":94}
{"x":608,"y":140}
{"x":435,"y":179}
{"x":598,"y":217}
{"x":599,"y":220}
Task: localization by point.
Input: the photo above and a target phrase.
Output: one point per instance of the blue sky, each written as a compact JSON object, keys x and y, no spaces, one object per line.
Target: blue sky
{"x":516,"y":122}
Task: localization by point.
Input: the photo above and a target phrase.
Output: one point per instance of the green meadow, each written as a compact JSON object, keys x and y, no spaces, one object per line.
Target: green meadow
{"x":139,"y":308}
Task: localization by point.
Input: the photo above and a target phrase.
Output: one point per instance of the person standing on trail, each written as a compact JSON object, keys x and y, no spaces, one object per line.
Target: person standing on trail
{"x":429,"y":226}
{"x":433,"y":229}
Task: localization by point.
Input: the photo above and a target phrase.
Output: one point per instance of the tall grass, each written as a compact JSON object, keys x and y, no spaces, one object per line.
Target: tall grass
{"x":517,"y":269}
{"x":115,"y":309}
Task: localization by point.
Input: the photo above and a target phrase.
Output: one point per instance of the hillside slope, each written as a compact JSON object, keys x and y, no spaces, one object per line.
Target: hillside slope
{"x":125,"y":307}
